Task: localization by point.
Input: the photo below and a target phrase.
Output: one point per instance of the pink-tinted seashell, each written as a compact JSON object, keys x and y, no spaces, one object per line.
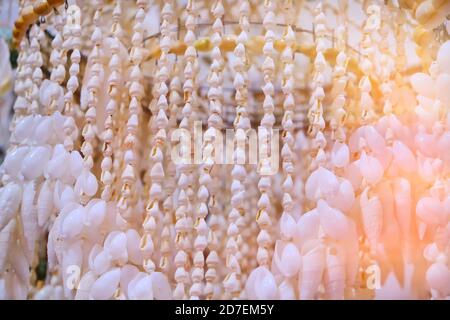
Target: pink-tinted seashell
{"x":288,"y":226}
{"x":261,"y":285}
{"x":307,"y":227}
{"x":6,"y":241}
{"x":443,"y":57}
{"x":430,"y":210}
{"x":105,"y":286}
{"x":10,"y":197}
{"x":321,"y":184}
{"x":425,"y":143}
{"x":423,"y":84}
{"x":86,"y":183}
{"x":438,"y":278}
{"x":403,"y":202}
{"x":353,"y":174}
{"x":371,"y":169}
{"x":312,"y":270}
{"x":333,"y":221}
{"x":85,"y":285}
{"x":431,"y":252}
{"x":287,"y":258}
{"x":340,"y":155}
{"x":345,"y":197}
{"x":335,"y":273}
{"x":442,"y":85}
{"x":28,"y":214}
{"x":372,"y":216}
{"x":96,"y":213}
{"x":403,"y":157}
{"x":444,"y":146}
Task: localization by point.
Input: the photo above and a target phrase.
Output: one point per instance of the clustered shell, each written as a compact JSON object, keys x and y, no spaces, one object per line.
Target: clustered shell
{"x":363,"y":186}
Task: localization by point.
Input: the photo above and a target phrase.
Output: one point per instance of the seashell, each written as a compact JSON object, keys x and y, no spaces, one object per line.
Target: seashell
{"x":67,"y":196}
{"x":127,"y":273}
{"x":116,"y":246}
{"x":13,"y":160}
{"x":402,"y":196}
{"x":133,"y":242}
{"x":96,"y":213}
{"x":438,"y":278}
{"x":140,"y":288}
{"x":343,"y":200}
{"x":261,"y":285}
{"x":372,"y":216}
{"x":57,"y":166}
{"x":19,"y":263}
{"x":288,"y":226}
{"x":71,"y":260}
{"x":333,"y":221}
{"x":430,"y":211}
{"x":340,"y":155}
{"x":104,"y":287}
{"x":423,"y":84}
{"x":85,"y":285}
{"x":335,"y":272}
{"x":371,"y":169}
{"x":403,"y":157}
{"x":442,"y":85}
{"x":6,"y":241}
{"x":431,"y":252}
{"x":98,"y":260}
{"x":24,"y":128}
{"x":28,"y":214}
{"x":444,"y":145}
{"x":443,"y":57}
{"x":72,"y":224}
{"x":307,"y":227}
{"x":161,"y":286}
{"x":86,"y":183}
{"x":312,"y":270}
{"x":10,"y":197}
{"x":50,"y":90}
{"x":353,"y":174}
{"x":351,"y":253}
{"x":76,"y":164}
{"x":286,"y":290}
{"x":35,"y":162}
{"x":287,"y":258}
{"x":321,"y":184}
{"x":43,"y":131}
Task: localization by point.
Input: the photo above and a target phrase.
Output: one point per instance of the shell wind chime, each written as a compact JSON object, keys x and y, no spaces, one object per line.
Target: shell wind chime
{"x":228,"y":149}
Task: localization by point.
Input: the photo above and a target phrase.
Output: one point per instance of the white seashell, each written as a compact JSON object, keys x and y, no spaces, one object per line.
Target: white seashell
{"x":261,"y":285}
{"x":28,"y":214}
{"x":116,"y":246}
{"x":312,"y":270}
{"x":35,"y":162}
{"x":372,"y":216}
{"x":287,"y":258}
{"x":140,"y":288}
{"x":86,"y":184}
{"x":333,"y":221}
{"x":105,"y":286}
{"x":13,"y":160}
{"x":133,"y":242}
{"x":127,"y":273}
{"x":43,"y":132}
{"x":72,"y":225}
{"x":286,"y":290}
{"x":85,"y":285}
{"x":57,"y":166}
{"x":288,"y":226}
{"x":19,"y":263}
{"x":96,"y":213}
{"x":24,"y":128}
{"x":161,"y":287}
{"x":6,"y":240}
{"x":10,"y":197}
{"x":76,"y":164}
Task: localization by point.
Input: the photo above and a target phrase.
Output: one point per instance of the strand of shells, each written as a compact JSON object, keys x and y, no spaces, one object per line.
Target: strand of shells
{"x":361,"y":197}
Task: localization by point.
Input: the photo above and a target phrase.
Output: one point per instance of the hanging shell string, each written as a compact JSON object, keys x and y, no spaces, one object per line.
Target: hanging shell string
{"x":114,"y":83}
{"x":232,"y":282}
{"x":213,"y":288}
{"x":157,"y":153}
